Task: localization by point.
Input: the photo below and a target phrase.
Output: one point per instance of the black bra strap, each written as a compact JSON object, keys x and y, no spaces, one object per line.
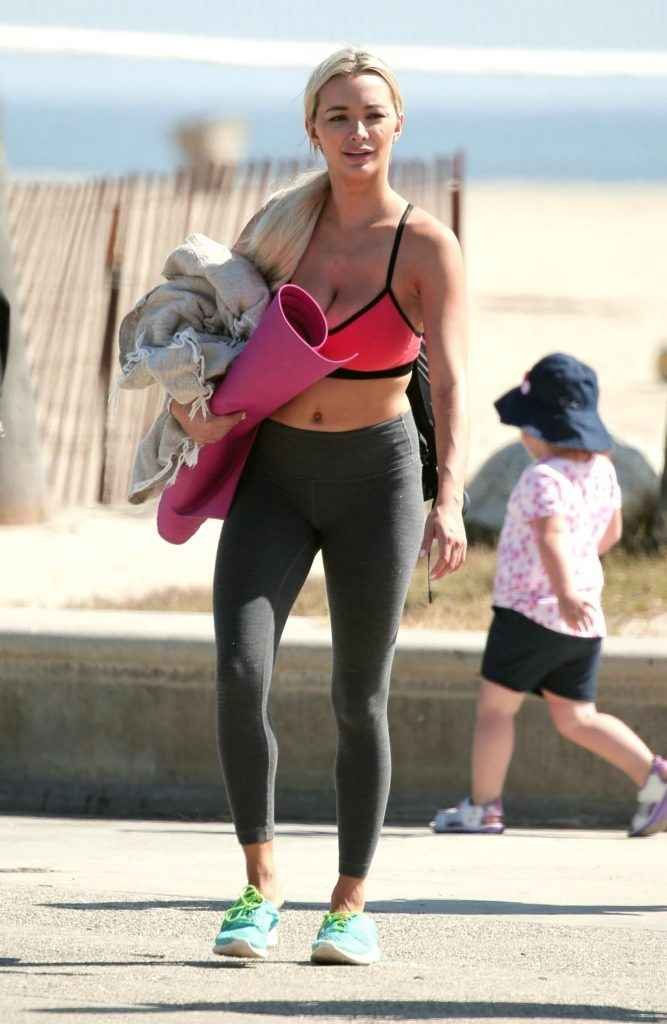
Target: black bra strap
{"x":393,"y":371}
{"x":397,"y":242}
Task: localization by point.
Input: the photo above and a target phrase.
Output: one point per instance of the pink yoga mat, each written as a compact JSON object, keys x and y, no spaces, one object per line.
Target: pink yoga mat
{"x":281,"y":359}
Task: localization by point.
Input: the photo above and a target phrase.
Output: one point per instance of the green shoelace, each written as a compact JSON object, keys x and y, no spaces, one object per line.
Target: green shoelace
{"x":337,"y":919}
{"x":247,"y":903}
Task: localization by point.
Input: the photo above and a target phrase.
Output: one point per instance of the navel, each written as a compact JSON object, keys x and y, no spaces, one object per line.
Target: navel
{"x":317,"y":416}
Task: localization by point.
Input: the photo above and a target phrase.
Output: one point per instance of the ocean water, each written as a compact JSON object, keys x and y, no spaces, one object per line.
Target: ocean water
{"x":91,"y":116}
{"x":99,"y":140}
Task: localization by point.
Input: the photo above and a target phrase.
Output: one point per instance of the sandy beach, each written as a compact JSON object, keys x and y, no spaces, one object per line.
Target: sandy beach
{"x":576,"y":268}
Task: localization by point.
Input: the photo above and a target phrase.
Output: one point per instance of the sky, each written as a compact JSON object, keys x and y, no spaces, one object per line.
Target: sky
{"x":528,"y":23}
{"x":571,"y":24}
{"x":106,"y":115}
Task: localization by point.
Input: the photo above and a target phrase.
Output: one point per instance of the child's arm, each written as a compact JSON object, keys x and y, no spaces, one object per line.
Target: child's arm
{"x":551,"y":537}
{"x":612,"y":534}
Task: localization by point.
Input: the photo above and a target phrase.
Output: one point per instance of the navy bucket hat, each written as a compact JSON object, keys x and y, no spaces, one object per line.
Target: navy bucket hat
{"x":557,"y":402}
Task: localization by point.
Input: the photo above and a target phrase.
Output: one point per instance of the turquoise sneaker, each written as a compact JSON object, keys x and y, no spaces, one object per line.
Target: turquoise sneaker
{"x":346,"y":938}
{"x":249,"y":927}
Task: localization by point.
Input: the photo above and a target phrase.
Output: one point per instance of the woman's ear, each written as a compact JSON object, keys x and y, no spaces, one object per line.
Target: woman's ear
{"x":399,"y":127}
{"x":312,"y":136}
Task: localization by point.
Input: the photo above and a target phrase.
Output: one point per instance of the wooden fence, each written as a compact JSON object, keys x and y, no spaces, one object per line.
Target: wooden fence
{"x":85,"y":252}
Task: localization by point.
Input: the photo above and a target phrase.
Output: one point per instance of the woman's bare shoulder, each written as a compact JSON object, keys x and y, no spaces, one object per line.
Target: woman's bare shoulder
{"x":431,"y":245}
{"x":429,"y":236}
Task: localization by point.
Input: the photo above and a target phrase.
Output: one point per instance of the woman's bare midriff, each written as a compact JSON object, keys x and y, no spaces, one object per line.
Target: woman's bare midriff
{"x":336,"y":404}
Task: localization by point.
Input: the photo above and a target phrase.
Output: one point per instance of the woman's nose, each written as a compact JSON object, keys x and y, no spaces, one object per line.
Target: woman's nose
{"x":360,"y":130}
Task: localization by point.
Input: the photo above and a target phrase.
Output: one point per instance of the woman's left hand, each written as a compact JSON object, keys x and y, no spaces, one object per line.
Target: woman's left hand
{"x":444,"y":525}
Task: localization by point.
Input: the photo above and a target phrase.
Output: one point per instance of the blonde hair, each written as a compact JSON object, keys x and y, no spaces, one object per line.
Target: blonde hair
{"x":348,"y":62}
{"x":277,"y":237}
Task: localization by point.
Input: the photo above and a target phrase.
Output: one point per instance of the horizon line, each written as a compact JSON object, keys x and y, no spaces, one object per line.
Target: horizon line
{"x":291,"y":54}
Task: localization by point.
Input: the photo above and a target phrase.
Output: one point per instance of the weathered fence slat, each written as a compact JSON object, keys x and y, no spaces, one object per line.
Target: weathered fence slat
{"x":75,"y":283}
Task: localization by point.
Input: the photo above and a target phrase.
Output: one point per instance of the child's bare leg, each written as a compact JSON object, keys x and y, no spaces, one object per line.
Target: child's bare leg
{"x":604,"y":735}
{"x":493,"y":741}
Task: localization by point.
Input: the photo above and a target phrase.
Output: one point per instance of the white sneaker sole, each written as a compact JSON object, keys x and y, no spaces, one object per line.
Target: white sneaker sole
{"x":242,"y":949}
{"x":459,"y":830}
{"x":328,"y":953}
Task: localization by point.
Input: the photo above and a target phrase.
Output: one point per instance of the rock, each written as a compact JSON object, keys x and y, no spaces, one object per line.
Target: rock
{"x":662,"y":363}
{"x":490,"y":489}
{"x":639,"y":483}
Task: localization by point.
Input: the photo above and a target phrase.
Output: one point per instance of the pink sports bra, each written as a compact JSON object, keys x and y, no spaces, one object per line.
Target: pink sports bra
{"x":385,"y":340}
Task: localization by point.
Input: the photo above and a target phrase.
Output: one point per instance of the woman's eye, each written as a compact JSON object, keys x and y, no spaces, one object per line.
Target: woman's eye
{"x":370,"y":117}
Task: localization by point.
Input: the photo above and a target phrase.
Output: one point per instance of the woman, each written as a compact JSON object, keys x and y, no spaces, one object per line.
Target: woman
{"x":338,"y":469}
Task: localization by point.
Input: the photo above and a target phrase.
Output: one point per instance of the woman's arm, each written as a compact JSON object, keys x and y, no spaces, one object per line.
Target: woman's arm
{"x":441,"y":287}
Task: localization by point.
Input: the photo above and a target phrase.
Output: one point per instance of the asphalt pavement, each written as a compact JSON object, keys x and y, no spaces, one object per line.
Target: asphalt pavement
{"x":113,"y":921}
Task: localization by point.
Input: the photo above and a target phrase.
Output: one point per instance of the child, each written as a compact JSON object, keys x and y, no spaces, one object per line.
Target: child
{"x":546,"y":633}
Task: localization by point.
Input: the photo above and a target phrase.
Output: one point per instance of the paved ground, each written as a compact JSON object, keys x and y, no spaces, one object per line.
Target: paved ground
{"x":113,"y":920}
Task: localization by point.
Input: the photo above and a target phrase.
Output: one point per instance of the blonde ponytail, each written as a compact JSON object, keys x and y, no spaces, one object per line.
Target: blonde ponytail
{"x":278,"y":236}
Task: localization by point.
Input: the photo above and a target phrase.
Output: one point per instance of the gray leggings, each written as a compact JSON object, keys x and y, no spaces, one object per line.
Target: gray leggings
{"x":357,"y":496}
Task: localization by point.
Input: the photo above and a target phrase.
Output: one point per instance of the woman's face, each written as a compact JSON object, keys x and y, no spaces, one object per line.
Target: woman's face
{"x":355,"y":124}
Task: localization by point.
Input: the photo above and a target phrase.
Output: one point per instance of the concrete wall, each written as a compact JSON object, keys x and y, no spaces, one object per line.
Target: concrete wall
{"x":114,"y":713}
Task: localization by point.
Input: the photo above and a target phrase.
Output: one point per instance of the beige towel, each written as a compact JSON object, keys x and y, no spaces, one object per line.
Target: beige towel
{"x":183,"y":335}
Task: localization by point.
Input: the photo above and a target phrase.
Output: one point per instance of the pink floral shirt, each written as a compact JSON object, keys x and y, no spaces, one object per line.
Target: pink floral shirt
{"x":585,"y":494}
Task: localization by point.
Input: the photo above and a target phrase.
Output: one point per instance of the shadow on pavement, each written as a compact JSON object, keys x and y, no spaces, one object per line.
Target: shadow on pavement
{"x":292,"y":833}
{"x":464,"y":908}
{"x":25,"y":966}
{"x":383,"y":1010}
{"x":490,"y":908}
{"x":554,"y":831}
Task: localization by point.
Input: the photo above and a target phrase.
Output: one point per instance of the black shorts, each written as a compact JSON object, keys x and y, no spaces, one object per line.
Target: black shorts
{"x":528,"y":658}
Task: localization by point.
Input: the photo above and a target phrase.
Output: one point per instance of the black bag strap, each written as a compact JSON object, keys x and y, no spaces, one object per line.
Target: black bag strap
{"x":4,"y":335}
{"x":419,"y":395}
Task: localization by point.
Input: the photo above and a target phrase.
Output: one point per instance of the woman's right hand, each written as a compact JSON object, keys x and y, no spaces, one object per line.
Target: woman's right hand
{"x":204,"y":429}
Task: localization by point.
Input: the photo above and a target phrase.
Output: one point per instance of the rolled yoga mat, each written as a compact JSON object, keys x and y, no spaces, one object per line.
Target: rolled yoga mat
{"x":281,"y":359}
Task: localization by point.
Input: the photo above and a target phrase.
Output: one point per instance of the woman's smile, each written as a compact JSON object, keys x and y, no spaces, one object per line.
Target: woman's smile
{"x":358,"y":156}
